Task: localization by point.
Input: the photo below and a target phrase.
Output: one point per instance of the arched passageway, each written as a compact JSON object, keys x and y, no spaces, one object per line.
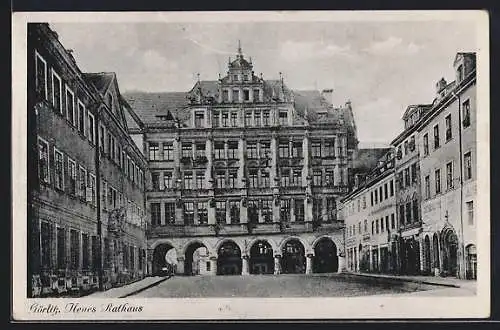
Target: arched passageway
{"x":325,"y":256}
{"x":293,"y":259}
{"x":435,"y":252}
{"x":471,"y":257}
{"x":164,"y":259}
{"x":410,"y":262}
{"x":427,"y":255}
{"x":229,"y":259}
{"x":196,"y":258}
{"x":450,"y":247}
{"x":261,"y":258}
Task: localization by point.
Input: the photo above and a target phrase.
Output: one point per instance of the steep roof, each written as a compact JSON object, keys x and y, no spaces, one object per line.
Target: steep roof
{"x":100,"y":80}
{"x":366,"y":159}
{"x":151,"y":107}
{"x":133,"y":121}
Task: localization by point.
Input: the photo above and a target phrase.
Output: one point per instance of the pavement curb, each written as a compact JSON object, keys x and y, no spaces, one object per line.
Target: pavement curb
{"x":145,"y":288}
{"x":412,"y":280}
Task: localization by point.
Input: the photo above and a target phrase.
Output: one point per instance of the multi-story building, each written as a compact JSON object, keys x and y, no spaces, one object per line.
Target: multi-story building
{"x":86,"y":206}
{"x":249,"y":171}
{"x":371,"y":226}
{"x":447,"y":146}
{"x":408,"y":195}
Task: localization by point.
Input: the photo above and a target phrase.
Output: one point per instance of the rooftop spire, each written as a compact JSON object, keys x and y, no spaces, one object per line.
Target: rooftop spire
{"x":239,"y":48}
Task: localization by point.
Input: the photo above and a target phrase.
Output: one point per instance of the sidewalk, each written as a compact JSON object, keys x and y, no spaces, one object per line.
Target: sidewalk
{"x":129,"y":289}
{"x":450,"y":282}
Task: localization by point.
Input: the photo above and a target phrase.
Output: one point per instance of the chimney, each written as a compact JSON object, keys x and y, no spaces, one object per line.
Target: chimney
{"x":327,"y":94}
{"x":440,"y":85}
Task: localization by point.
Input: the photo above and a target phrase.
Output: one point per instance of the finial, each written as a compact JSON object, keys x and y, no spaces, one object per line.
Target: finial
{"x":261,"y":76}
{"x":219,"y":75}
{"x":198,"y":77}
{"x":239,"y":47}
{"x":250,"y":59}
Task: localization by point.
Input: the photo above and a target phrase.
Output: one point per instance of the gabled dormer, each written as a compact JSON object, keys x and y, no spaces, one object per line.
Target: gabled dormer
{"x":414,"y":113}
{"x":464,"y":64}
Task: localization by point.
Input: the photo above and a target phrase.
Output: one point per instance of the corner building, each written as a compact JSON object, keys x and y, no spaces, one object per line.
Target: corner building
{"x":247,"y":170}
{"x":82,"y":166}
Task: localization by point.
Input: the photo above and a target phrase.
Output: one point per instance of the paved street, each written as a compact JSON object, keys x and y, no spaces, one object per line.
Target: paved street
{"x":328,"y":285}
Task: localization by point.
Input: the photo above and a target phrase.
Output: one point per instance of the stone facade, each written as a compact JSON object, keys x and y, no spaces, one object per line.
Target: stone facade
{"x":243,"y":160}
{"x":72,"y":187}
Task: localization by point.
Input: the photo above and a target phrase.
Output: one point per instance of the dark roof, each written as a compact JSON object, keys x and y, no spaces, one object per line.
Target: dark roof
{"x":100,"y":80}
{"x":366,"y":159}
{"x":133,"y":121}
{"x":151,"y":107}
{"x":311,"y":105}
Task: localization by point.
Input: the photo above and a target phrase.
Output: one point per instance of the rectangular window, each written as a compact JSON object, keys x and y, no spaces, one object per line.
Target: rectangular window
{"x":61,"y":248}
{"x":200,"y":180}
{"x":285,"y":177}
{"x":437,"y":180}
{"x":371,"y":197}
{"x":225,"y":119}
{"x":236,"y":94}
{"x":253,"y":180}
{"x":330,"y":148}
{"x":391,"y":187}
{"x":74,"y":249}
{"x":386,"y":191}
{"x":91,"y":128}
{"x":436,"y":137}
{"x":71,"y":177}
{"x":220,"y":179}
{"x":256,"y":95}
{"x":415,"y":211}
{"x":448,"y":127}
{"x":265,"y":118}
{"x":57,"y":92}
{"x":373,"y":227}
{"x":252,"y":150}
{"x":85,"y":251}
{"x":246,"y":95}
{"x":188,"y":180}
{"x":413,"y":172}
{"x":426,"y":144}
{"x":318,"y":210}
{"x":215,"y":118}
{"x":331,"y":209}
{"x":81,"y":118}
{"x":267,"y":212}
{"x":234,"y":211}
{"x":220,"y":212}
{"x":284,"y":151}
{"x":41,"y":75}
{"x":234,"y":119}
{"x":470,"y":212}
{"x":299,"y":210}
{"x":253,"y":211}
{"x":45,"y":244}
{"x":199,"y":119}
{"x":393,"y":221}
{"x":466,"y":113}
{"x":377,"y":226}
{"x":168,"y":151}
{"x":219,"y":152}
{"x":408,"y":213}
{"x":449,"y":175}
{"x":70,"y":106}
{"x":58,"y":169}
{"x":202,"y":213}
{"x":43,"y":161}
{"x":283,"y":117}
{"x":82,"y":182}
{"x":264,"y":174}
{"x":248,"y":118}
{"x":91,"y":189}
{"x":285,"y":210}
{"x":317,"y":180}
{"x":376,"y":196}
{"x":402,"y":214}
{"x":316,"y":149}
{"x":382,"y":224}
{"x":468,"y":165}
{"x":155,"y":181}
{"x":155,"y":214}
{"x":200,"y":150}
{"x":297,"y":149}
{"x":225,"y":95}
{"x":329,"y":177}
{"x":153,"y":151}
{"x":427,"y":183}
{"x":169,"y":213}
{"x":296,"y":178}
{"x":407,"y":176}
{"x":233,"y":176}
{"x":256,"y":119}
{"x":187,"y":150}
{"x":380,"y":193}
{"x":265,"y":150}
{"x":188,"y":213}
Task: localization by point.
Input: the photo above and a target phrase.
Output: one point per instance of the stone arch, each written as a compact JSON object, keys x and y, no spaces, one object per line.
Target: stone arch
{"x":160,"y":264}
{"x":194,"y":265}
{"x":471,"y":261}
{"x":271,"y":242}
{"x":335,"y":240}
{"x":224,"y":240}
{"x":449,"y":248}
{"x":427,"y":254}
{"x":326,"y":252}
{"x":159,"y":241}
{"x":261,"y":260}
{"x":293,"y":261}
{"x":209,"y":247}
{"x":305,"y":244}
{"x":229,"y":259}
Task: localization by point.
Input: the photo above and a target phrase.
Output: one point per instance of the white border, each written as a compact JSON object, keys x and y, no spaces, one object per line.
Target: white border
{"x":256,"y":308}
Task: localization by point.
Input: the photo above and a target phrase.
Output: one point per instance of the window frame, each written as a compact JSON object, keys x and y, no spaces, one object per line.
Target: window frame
{"x":72,"y":121}
{"x":54,"y":74}
{"x":62,"y":185}
{"x":47,"y":179}
{"x":46,"y":91}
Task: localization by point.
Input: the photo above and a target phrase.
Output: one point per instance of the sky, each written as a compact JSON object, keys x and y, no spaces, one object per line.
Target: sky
{"x":381,"y":67}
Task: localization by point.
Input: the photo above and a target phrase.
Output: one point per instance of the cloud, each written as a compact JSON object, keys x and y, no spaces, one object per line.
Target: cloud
{"x":392,"y":45}
{"x":376,"y":120}
{"x":296,"y":51}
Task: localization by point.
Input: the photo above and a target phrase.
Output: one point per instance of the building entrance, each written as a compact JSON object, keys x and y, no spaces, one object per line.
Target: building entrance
{"x":293,"y":260}
{"x":229,"y":259}
{"x":325,"y":257}
{"x":261,"y":258}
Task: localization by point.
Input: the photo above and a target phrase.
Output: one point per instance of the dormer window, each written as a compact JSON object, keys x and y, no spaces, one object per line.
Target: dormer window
{"x":246,"y":95}
{"x":256,"y":94}
{"x":235,"y":77}
{"x":225,"y":95}
{"x":198,"y":119}
{"x":460,"y":73}
{"x":283,"y":118}
{"x":236,"y":95}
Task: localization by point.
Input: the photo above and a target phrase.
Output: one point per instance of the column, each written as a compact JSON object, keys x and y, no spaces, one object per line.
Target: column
{"x":209,"y":154}
{"x":180,"y":266}
{"x":292,"y":210}
{"x":277,"y":264}
{"x":240,"y":95}
{"x":228,"y":212}
{"x":309,"y":263}
{"x":162,"y":214}
{"x":149,"y":258}
{"x":358,"y":256}
{"x":211,"y":212}
{"x":261,"y":95}
{"x":336,"y":146}
{"x":341,"y":263}
{"x":371,"y":257}
{"x":336,"y":175}
{"x":196,"y":218}
{"x":244,"y":211}
{"x":276,"y":209}
{"x":324,"y":211}
{"x":261,"y":217}
{"x":226,"y":147}
{"x":245,"y":266}
{"x":213,"y":266}
{"x":251,"y":94}
{"x":230,"y":94}
{"x":179,"y":212}
{"x":421,"y":252}
{"x":379,"y":259}
{"x":274,"y":160}
{"x":307,"y":159}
